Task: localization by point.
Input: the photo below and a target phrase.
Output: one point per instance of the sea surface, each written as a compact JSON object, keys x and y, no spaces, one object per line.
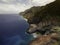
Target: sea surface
{"x":12,"y":30}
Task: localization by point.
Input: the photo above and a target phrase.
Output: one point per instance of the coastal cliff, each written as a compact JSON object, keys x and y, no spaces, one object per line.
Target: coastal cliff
{"x":44,"y":20}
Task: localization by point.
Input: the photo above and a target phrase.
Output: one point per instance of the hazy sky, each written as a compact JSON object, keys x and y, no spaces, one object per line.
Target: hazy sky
{"x":16,"y":6}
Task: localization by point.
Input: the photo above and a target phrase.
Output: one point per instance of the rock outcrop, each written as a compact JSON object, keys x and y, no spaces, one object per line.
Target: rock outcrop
{"x":43,"y":13}
{"x":45,"y":40}
{"x":45,"y":21}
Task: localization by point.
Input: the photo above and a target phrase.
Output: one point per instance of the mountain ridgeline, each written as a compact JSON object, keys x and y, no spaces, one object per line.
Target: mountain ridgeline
{"x":51,"y":10}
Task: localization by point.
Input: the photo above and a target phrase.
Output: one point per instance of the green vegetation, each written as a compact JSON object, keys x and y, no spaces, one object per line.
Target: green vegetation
{"x":47,"y":13}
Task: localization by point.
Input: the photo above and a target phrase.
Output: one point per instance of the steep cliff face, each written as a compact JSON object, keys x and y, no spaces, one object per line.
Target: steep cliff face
{"x":44,"y":40}
{"x":37,"y":14}
{"x":47,"y":22}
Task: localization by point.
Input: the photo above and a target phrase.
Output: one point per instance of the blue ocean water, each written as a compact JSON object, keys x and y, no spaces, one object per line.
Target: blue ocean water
{"x":12,"y":30}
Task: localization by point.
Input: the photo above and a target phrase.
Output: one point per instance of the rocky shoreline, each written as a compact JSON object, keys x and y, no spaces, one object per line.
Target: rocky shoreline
{"x":44,"y":24}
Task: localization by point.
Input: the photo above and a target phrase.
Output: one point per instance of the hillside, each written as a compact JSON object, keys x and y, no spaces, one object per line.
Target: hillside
{"x":44,"y":19}
{"x":44,"y":12}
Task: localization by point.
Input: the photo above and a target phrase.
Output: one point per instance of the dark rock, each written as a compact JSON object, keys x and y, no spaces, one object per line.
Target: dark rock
{"x":45,"y":13}
{"x":45,"y":18}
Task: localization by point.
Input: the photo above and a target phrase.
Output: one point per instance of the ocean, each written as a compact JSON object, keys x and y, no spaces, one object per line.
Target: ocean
{"x":13,"y":30}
